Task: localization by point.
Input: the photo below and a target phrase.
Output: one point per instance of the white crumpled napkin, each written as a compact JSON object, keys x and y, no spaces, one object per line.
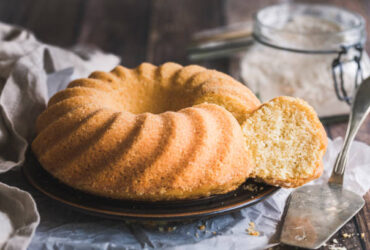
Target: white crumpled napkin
{"x":29,"y":73}
{"x":16,"y":230}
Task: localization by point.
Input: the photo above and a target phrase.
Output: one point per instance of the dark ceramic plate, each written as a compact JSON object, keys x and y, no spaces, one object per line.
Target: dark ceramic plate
{"x":146,"y":211}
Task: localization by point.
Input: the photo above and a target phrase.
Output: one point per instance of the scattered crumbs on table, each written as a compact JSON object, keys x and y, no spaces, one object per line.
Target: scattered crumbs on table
{"x":251,"y":229}
{"x":202,"y":227}
{"x":334,"y":247}
{"x":345,"y":235}
{"x":196,"y":235}
{"x":362,"y":235}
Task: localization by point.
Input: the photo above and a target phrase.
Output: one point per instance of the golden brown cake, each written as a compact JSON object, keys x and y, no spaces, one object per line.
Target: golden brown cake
{"x":287,"y":142}
{"x":149,"y":133}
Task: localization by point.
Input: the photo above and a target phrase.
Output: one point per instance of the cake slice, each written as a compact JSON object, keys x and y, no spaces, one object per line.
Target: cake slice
{"x":287,"y":142}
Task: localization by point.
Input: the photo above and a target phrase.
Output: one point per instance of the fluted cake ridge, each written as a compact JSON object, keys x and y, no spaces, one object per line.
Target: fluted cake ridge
{"x":148,"y":133}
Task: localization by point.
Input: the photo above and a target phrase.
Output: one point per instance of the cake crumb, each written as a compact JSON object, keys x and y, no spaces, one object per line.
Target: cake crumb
{"x":254,"y":233}
{"x":214,"y":233}
{"x":251,"y":229}
{"x":202,"y":227}
{"x":345,"y":235}
{"x":335,"y":241}
{"x":362,"y":235}
{"x":250,"y":187}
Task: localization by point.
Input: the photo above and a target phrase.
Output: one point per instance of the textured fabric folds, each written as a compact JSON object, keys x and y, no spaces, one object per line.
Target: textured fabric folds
{"x":30,"y":72}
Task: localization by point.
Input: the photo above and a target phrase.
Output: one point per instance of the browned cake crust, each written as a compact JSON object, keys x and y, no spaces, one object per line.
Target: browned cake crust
{"x":144,"y":133}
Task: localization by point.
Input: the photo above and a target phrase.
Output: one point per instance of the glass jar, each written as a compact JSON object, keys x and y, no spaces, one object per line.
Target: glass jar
{"x":310,"y":51}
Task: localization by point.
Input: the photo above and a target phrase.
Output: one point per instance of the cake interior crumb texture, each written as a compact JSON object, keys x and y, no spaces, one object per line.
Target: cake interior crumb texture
{"x":287,"y":142}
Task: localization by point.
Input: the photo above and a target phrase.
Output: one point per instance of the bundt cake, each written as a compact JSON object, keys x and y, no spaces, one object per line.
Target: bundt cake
{"x":287,"y":142}
{"x":149,"y":133}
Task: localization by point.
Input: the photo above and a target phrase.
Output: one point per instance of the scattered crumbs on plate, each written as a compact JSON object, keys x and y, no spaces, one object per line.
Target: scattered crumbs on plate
{"x":250,"y":187}
{"x":251,"y":229}
{"x":202,"y":227}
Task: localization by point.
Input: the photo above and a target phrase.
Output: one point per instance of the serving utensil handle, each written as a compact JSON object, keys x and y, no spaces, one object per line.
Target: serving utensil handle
{"x":359,"y":110}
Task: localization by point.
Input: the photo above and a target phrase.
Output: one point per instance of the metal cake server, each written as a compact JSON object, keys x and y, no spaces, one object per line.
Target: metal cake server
{"x":315,"y":213}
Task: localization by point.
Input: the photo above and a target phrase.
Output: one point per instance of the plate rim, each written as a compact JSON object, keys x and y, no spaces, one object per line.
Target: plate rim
{"x":219,"y":210}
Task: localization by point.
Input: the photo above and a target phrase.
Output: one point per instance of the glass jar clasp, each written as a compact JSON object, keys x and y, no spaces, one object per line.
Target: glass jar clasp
{"x":337,"y":71}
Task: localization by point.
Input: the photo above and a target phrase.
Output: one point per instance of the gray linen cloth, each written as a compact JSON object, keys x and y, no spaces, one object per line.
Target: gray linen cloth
{"x":30,"y":72}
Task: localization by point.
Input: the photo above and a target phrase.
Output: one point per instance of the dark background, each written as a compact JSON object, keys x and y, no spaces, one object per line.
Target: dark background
{"x":158,"y":31}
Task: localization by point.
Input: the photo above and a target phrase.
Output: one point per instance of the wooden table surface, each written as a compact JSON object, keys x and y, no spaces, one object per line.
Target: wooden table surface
{"x":158,"y":31}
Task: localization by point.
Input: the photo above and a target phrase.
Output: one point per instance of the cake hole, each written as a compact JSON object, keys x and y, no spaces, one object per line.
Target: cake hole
{"x":141,"y":96}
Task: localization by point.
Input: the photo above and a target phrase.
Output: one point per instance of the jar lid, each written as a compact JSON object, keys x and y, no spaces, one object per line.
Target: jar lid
{"x":308,"y":27}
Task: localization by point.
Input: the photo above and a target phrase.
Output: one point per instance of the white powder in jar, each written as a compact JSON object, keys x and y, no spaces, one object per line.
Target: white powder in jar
{"x":272,"y":72}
